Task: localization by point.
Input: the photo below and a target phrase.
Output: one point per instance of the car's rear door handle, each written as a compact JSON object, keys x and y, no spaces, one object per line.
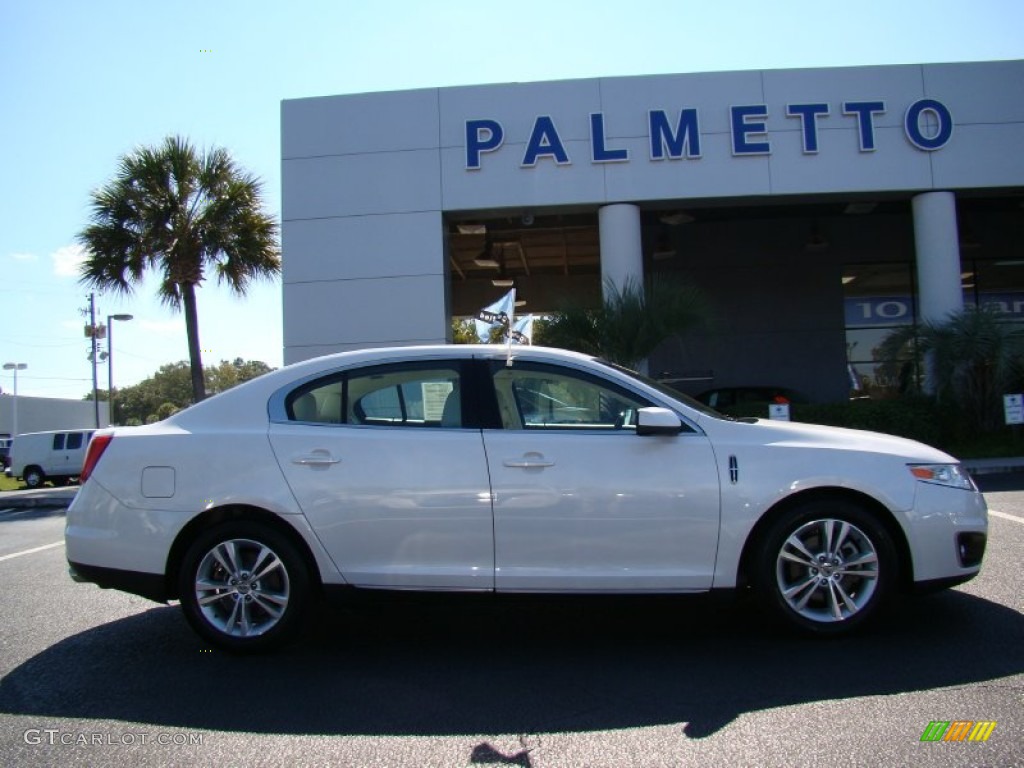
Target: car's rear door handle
{"x":529,"y":461}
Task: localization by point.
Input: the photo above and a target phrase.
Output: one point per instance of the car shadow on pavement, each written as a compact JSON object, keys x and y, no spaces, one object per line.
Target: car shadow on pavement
{"x":435,"y":665}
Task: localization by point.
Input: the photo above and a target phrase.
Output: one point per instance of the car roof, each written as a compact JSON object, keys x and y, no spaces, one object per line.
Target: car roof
{"x":243,"y":402}
{"x":421,"y":352}
{"x":53,"y":432}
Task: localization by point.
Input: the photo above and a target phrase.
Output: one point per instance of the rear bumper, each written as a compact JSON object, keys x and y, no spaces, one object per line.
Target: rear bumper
{"x":152,"y":586}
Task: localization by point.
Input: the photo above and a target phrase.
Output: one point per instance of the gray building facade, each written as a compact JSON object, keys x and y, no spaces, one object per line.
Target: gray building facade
{"x":816,"y":209}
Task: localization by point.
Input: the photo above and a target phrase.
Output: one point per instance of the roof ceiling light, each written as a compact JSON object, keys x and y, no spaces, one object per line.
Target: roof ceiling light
{"x":502,"y":280}
{"x":859,"y":209}
{"x":675,"y":219}
{"x":482,"y":261}
{"x":486,"y":258}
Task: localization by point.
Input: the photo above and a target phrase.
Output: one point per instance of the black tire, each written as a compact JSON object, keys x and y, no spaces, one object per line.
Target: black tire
{"x":821,"y":587}
{"x":246,"y":609}
{"x":34,"y":477}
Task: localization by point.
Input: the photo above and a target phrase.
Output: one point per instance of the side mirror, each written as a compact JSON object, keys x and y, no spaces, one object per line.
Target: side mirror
{"x":657,"y":421}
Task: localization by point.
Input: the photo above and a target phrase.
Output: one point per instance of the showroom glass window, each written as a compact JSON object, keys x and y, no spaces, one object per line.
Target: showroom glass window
{"x":877,"y":299}
{"x":404,"y":395}
{"x":880,"y":298}
{"x":997,"y":284}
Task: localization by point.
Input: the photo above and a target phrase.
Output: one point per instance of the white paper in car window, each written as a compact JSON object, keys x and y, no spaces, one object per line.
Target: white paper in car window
{"x":435,"y":393}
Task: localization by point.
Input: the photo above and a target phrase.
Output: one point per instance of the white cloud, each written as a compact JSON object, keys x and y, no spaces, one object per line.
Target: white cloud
{"x":23,"y":256}
{"x":68,"y":260}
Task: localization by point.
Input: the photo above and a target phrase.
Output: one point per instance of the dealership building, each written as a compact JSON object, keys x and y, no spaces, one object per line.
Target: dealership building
{"x":816,"y":210}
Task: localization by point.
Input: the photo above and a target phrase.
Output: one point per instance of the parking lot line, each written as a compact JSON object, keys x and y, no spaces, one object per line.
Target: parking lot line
{"x":1005,"y":516}
{"x":31,"y":551}
{"x":15,"y":511}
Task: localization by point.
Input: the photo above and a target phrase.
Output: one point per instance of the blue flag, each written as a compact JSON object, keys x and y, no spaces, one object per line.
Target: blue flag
{"x":500,"y":312}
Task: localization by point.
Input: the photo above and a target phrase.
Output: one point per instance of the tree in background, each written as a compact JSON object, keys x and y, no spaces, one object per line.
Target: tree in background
{"x":182,"y":213}
{"x":464,"y":332}
{"x":229,"y":374}
{"x":975,"y":357}
{"x":170,"y":389}
{"x":630,"y":323}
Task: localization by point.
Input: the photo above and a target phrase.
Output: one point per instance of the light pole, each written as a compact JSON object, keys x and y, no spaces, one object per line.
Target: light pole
{"x":91,"y":331}
{"x":110,"y":363}
{"x":14,"y":405}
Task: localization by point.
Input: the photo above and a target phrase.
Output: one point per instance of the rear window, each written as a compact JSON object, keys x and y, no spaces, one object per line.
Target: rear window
{"x":415,"y":394}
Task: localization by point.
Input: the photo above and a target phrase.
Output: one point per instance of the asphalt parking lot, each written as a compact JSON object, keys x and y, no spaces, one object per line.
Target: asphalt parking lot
{"x":93,"y":677}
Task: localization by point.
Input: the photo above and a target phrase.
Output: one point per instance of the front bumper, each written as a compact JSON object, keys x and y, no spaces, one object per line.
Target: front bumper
{"x":948,"y":531}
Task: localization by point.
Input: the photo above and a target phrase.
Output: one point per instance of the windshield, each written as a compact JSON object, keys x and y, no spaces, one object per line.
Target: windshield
{"x":668,"y":391}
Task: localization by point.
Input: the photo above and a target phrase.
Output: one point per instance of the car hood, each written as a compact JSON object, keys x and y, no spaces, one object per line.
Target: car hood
{"x":799,"y":435}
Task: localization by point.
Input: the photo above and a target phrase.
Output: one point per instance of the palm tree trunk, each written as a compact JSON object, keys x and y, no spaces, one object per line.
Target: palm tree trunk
{"x":188,"y":299}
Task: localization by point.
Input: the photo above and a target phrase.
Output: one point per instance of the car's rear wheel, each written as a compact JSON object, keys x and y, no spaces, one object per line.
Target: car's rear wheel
{"x":34,"y":477}
{"x":243,"y":587}
{"x":826,"y":566}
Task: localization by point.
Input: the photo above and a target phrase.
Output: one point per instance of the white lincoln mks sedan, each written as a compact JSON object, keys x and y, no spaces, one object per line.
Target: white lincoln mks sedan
{"x":469,"y":468}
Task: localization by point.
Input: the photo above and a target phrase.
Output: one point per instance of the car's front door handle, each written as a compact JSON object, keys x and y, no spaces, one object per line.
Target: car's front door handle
{"x":316,"y":459}
{"x":529,"y":461}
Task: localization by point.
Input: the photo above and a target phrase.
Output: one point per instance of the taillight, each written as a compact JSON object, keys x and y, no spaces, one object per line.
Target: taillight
{"x":97,"y":446}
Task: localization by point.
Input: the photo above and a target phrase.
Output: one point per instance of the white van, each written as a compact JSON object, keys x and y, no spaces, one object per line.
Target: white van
{"x":57,"y":456}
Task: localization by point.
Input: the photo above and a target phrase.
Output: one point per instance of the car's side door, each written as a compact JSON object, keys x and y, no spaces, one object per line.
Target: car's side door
{"x":582,"y":502}
{"x":60,"y":458}
{"x":391,"y":476}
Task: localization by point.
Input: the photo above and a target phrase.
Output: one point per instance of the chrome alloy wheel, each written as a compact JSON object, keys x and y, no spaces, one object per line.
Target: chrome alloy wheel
{"x":242,"y":587}
{"x":827,"y":570}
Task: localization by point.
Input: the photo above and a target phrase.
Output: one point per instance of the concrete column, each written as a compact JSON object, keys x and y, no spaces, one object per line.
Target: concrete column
{"x":938,"y":264}
{"x":938,"y":256}
{"x":621,"y":254}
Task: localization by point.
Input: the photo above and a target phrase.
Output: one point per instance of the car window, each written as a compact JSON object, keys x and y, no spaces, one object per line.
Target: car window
{"x":74,"y":441}
{"x":321,"y":402}
{"x":58,"y":441}
{"x":399,"y":397}
{"x":413,"y":395}
{"x":534,"y":396}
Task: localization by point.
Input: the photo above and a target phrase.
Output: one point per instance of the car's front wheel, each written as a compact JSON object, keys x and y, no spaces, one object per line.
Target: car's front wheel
{"x":243,"y":587}
{"x":826,"y":566}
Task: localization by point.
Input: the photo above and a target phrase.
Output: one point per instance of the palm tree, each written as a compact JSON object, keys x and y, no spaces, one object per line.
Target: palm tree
{"x":182,"y":213}
{"x":631,"y":321}
{"x":972,"y":359}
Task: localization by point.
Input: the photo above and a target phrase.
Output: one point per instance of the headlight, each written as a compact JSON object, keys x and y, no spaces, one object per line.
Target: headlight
{"x":951,"y":475}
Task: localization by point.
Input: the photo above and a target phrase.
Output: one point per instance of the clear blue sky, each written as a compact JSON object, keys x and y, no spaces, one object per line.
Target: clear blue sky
{"x":81,"y":83}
